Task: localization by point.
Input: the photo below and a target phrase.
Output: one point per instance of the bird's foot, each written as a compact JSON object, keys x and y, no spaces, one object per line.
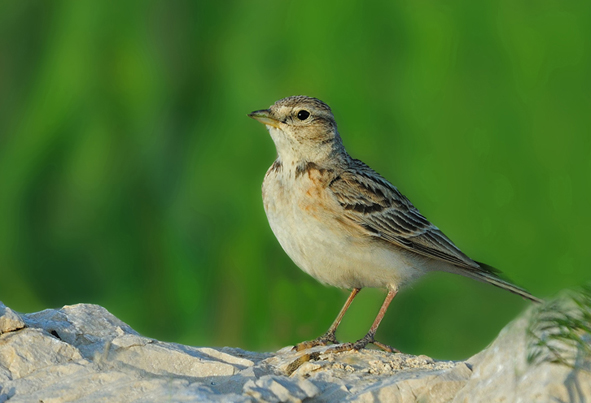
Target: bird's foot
{"x":325,"y":339}
{"x":361,"y":343}
{"x":385,"y":347}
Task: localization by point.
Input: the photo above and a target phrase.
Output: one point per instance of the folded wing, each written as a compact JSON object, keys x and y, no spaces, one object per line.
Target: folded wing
{"x":377,"y":206}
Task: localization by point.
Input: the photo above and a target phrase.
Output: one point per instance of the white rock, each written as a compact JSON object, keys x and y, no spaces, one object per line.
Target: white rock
{"x":25,"y":351}
{"x":273,"y":388}
{"x":502,"y":373}
{"x":9,"y":320}
{"x":82,"y":353}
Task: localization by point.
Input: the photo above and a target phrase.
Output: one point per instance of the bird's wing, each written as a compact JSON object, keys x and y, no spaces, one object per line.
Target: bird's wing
{"x":377,"y":206}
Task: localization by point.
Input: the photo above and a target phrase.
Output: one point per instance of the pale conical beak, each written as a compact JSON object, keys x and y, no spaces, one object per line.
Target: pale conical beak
{"x":264,"y":116}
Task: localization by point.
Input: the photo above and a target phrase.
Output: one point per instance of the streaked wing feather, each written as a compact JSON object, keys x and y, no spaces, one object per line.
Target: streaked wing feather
{"x":377,"y":206}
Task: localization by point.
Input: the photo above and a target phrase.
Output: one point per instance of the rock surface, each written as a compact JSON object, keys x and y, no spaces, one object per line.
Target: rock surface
{"x":82,"y":353}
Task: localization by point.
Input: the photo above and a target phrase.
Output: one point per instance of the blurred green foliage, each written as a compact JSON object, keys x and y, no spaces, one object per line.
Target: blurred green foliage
{"x":130,"y":175}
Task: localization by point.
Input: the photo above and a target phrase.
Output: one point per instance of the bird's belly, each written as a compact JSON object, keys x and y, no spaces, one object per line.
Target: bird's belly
{"x":327,"y":247}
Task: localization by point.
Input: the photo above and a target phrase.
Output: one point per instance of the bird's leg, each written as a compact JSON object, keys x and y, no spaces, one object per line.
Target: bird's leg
{"x":329,"y":336}
{"x":369,"y":337}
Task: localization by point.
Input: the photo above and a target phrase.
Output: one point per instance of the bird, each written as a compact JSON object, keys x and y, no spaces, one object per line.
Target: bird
{"x":344,"y":224}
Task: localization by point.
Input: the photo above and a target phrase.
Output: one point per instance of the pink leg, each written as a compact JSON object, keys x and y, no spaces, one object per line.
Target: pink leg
{"x":329,"y":336}
{"x":369,"y":337}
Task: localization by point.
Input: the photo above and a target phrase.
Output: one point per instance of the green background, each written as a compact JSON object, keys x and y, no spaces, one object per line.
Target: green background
{"x":130,"y":174}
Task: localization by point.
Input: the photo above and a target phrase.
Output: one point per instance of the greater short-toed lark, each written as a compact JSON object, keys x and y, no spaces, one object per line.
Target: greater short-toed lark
{"x":344,"y":224}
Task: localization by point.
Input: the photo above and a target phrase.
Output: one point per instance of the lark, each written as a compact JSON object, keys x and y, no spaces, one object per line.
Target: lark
{"x":345,"y":225}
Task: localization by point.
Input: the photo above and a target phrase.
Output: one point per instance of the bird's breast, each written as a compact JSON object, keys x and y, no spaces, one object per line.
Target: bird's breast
{"x":300,"y":211}
{"x":308,"y":222}
{"x":292,"y":194}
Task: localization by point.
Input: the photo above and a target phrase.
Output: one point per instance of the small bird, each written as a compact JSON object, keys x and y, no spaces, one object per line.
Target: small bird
{"x":345,"y":225}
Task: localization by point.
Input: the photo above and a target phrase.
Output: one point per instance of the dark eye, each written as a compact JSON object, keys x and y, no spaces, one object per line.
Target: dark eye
{"x":303,"y":114}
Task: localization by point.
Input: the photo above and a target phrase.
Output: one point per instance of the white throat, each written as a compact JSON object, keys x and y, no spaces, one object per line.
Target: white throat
{"x":285,"y":149}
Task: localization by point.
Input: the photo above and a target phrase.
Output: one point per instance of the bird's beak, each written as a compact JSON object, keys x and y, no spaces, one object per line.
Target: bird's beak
{"x":264,"y":116}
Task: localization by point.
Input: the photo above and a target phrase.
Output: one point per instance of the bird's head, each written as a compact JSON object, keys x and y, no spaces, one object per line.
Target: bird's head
{"x":302,"y":128}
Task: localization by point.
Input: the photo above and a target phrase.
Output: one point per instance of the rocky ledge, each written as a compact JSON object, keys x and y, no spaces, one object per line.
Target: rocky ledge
{"x":82,"y":353}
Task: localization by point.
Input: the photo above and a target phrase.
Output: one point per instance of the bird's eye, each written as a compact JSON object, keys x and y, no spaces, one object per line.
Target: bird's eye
{"x":303,"y":114}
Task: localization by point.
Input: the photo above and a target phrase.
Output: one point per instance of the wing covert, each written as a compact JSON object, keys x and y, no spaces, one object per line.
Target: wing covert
{"x":377,"y":206}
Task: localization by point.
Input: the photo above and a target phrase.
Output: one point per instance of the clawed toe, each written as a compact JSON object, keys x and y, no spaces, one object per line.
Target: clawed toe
{"x":358,"y":345}
{"x":362,"y":343}
{"x":339,"y":348}
{"x":324,"y":340}
{"x":308,"y":344}
{"x":385,"y":347}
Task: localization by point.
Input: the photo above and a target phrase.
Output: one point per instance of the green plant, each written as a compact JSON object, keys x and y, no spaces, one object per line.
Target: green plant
{"x":560,"y":330}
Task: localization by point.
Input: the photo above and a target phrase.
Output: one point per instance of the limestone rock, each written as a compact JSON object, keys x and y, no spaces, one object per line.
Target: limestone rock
{"x":502,"y":373}
{"x":82,"y":353}
{"x":9,"y":320}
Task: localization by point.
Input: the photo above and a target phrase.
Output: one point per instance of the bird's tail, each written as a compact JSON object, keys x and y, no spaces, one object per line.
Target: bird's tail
{"x":489,"y":274}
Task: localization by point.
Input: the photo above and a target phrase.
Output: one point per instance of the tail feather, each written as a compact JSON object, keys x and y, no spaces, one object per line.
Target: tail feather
{"x":489,"y":274}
